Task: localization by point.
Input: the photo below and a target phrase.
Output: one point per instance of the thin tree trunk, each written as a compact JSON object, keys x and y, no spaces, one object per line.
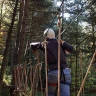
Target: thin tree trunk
{"x":17,"y":45}
{"x":23,"y":31}
{"x":18,"y":31}
{"x":3,"y":66}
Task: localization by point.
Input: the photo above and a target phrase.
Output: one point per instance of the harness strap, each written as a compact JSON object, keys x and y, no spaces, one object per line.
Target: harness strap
{"x":52,"y":84}
{"x":63,"y":82}
{"x":62,"y":73}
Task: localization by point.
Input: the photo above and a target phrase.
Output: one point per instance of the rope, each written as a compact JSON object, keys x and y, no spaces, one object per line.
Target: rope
{"x":75,"y":18}
{"x":31,"y":79}
{"x":26,"y":80}
{"x":40,"y":79}
{"x":37,"y":79}
{"x":21,"y":78}
{"x":34,"y":81}
{"x":55,"y":16}
{"x":39,"y":71}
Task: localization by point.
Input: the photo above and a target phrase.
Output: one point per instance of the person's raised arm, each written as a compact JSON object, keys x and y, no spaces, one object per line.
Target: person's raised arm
{"x":67,"y":47}
{"x":37,"y":45}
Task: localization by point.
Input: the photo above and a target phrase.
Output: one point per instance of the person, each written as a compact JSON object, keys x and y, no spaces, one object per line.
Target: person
{"x":52,"y":60}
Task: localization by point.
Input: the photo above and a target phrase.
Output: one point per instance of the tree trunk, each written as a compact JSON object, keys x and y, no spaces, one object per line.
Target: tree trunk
{"x":23,"y":30}
{"x":19,"y":49}
{"x":17,"y":45}
{"x":21,"y":9}
{"x":3,"y":66}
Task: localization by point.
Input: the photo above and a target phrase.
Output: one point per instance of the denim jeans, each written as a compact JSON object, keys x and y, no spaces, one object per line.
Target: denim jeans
{"x":64,"y":85}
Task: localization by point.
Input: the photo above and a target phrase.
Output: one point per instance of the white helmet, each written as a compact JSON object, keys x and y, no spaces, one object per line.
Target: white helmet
{"x":49,"y":33}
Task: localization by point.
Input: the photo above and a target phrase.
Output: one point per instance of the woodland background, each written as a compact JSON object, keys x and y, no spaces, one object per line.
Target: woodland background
{"x":24,"y":21}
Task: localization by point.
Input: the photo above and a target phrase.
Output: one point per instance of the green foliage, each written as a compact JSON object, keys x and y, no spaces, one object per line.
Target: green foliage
{"x":7,"y":76}
{"x":79,"y":33}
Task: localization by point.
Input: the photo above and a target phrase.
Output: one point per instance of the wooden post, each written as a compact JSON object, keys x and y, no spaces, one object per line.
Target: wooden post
{"x":45,"y":46}
{"x":81,"y":67}
{"x":82,"y":85}
{"x":59,"y":38}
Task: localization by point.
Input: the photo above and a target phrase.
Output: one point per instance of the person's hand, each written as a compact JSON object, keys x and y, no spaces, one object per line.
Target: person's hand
{"x":67,"y":52}
{"x":62,"y":41}
{"x":43,"y":43}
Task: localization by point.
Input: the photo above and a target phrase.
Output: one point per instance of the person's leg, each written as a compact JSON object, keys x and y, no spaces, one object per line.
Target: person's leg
{"x":51,"y":90}
{"x":65,"y":90}
{"x":52,"y":82}
{"x":65,"y":85}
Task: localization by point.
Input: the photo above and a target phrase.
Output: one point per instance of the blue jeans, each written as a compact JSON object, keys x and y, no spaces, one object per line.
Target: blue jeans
{"x":64,"y":85}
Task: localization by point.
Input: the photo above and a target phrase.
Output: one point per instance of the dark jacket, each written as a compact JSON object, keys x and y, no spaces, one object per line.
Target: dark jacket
{"x":52,"y":54}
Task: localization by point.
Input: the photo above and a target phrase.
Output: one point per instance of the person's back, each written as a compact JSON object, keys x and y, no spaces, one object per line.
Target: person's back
{"x":52,"y":60}
{"x":52,"y":55}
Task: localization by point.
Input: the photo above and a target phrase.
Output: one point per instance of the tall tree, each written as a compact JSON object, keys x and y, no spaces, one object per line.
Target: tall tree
{"x":23,"y":31}
{"x":3,"y":66}
{"x":17,"y":42}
